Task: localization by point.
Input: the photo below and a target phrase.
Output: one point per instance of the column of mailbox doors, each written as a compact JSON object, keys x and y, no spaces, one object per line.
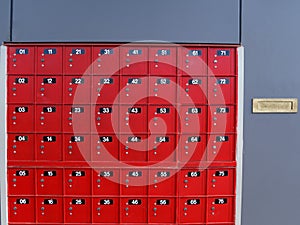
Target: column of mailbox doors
{"x":62,"y":174}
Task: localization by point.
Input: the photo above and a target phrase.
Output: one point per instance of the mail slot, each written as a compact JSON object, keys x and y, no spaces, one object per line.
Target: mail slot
{"x":20,"y":147}
{"x":21,"y":209}
{"x":106,"y":182}
{"x":221,"y":147}
{"x":20,"y":89}
{"x":134,"y":60}
{"x":192,"y":148}
{"x":49,"y":60}
{"x":49,"y":181}
{"x":77,"y":147}
{"x":48,"y":147}
{"x":133,"y":210}
{"x":192,"y":210}
{"x":162,"y":182}
{"x":76,"y":89}
{"x":77,"y":210}
{"x":221,"y":61}
{"x":192,"y":61}
{"x":21,"y":181}
{"x":49,"y":209}
{"x":105,"y":89}
{"x":134,"y":89}
{"x":77,"y":60}
{"x":20,"y":60}
{"x":105,"y":210}
{"x":105,"y":147}
{"x":192,"y":182}
{"x":74,"y":180}
{"x":48,"y":118}
{"x":20,"y":118}
{"x":106,"y":59}
{"x":134,"y":182}
{"x":163,"y":60}
{"x":161,"y":210}
{"x":162,"y":90}
{"x":220,"y":209}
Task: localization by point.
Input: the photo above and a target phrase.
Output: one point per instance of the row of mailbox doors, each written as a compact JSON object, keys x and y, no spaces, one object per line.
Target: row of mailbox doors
{"x":155,"y":148}
{"x":125,"y":182}
{"x":124,"y":209}
{"x":106,"y":119}
{"x":133,"y":60}
{"x":125,"y":89}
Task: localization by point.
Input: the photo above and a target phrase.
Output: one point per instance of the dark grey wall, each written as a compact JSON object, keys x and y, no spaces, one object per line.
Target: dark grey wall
{"x":4,"y":20}
{"x":270,"y":34}
{"x":205,"y":21}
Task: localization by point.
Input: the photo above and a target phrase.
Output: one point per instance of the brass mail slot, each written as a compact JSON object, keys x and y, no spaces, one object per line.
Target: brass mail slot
{"x":275,"y":105}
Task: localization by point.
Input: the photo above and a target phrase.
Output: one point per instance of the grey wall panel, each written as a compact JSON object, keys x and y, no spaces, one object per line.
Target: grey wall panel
{"x":206,"y":21}
{"x":4,"y":20}
{"x":271,"y":142}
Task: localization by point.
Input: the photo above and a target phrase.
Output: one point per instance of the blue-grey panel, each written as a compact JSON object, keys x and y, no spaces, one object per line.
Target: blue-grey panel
{"x":4,"y":20}
{"x":205,"y":21}
{"x":271,"y":163}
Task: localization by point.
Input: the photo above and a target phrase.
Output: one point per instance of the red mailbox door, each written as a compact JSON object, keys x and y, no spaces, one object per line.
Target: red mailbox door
{"x":193,"y":90}
{"x":20,"y":60}
{"x":21,"y":209}
{"x":49,"y":60}
{"x":221,"y":61}
{"x":221,"y":119}
{"x":48,"y":147}
{"x":20,"y":147}
{"x":221,"y":181}
{"x":162,"y":148}
{"x":49,"y":181}
{"x":48,"y":89}
{"x":106,"y":60}
{"x":76,"y":90}
{"x":192,"y":61}
{"x":20,"y":118}
{"x":105,"y":210}
{"x":221,"y":148}
{"x":77,"y":60}
{"x":162,"y":90}
{"x":106,"y":182}
{"x":163,"y":60}
{"x":192,"y":210}
{"x":74,"y":180}
{"x":133,"y":148}
{"x":106,"y":119}
{"x":192,"y":148}
{"x":76,"y":118}
{"x":192,"y":182}
{"x":220,"y":209}
{"x":162,"y":182}
{"x":20,"y":89}
{"x":134,"y":89}
{"x":193,"y":119}
{"x":105,"y":147}
{"x":77,"y":147}
{"x":49,"y":209}
{"x":134,"y":182}
{"x":134,"y":60}
{"x":133,"y":119}
{"x":162,"y":119}
{"x":133,"y":210}
{"x":77,"y":210}
{"x":48,"y":118}
{"x":161,"y":210}
{"x":21,"y":181}
{"x":105,"y":89}
{"x":221,"y":90}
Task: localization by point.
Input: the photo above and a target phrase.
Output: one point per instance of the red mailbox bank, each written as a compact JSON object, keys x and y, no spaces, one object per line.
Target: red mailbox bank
{"x":122,"y":134}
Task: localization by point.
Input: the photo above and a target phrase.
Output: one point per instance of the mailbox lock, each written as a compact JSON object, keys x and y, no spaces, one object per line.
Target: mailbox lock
{"x":155,"y":181}
{"x":127,"y":181}
{"x":70,"y":89}
{"x":156,"y":89}
{"x":186,"y":147}
{"x":98,"y":180}
{"x":14,"y":89}
{"x":214,"y":180}
{"x":186,"y":181}
{"x":42,"y":60}
{"x":98,"y":118}
{"x":42,"y":147}
{"x":70,"y":147}
{"x":185,"y":209}
{"x":42,"y":118}
{"x":213,"y":208}
{"x":70,"y":180}
{"x":187,"y":61}
{"x":14,"y":60}
{"x":42,"y":89}
{"x":14,"y":180}
{"x":154,"y":209}
{"x":70,"y":208}
{"x":42,"y":208}
{"x":70,"y":60}
{"x":14,"y":146}
{"x":215,"y":89}
{"x":98,"y":209}
{"x":126,"y":209}
{"x":15,"y":208}
{"x":42,"y":180}
{"x":14,"y":117}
